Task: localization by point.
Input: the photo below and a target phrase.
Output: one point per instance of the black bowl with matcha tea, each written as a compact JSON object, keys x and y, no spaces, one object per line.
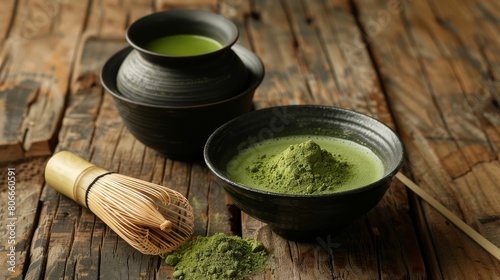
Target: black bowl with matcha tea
{"x":182,"y":58}
{"x":296,"y":167}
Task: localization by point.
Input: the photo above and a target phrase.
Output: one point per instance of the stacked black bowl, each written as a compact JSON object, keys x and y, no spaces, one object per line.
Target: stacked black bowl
{"x":173,"y":103}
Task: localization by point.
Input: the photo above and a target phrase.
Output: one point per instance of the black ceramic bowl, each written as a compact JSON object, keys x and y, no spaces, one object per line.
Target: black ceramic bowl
{"x":180,"y":132}
{"x":181,"y":80}
{"x":302,"y":217}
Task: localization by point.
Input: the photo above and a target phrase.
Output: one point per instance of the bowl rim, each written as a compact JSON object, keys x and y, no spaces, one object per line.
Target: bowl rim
{"x":187,"y":15}
{"x":390,"y":175}
{"x":110,"y":69}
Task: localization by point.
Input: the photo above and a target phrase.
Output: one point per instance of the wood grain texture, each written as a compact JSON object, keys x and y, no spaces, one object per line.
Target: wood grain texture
{"x":39,"y":51}
{"x":444,"y":118}
{"x":428,"y":69}
{"x":28,"y":187}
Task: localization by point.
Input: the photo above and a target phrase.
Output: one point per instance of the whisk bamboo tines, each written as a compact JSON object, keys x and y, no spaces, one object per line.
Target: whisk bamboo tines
{"x":151,"y":218}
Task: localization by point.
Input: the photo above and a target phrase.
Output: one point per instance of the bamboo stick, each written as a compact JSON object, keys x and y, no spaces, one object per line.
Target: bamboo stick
{"x":478,"y":238}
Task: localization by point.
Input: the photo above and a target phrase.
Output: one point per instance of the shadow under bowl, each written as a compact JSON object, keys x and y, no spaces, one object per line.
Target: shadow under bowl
{"x":180,"y":132}
{"x":304,"y":217}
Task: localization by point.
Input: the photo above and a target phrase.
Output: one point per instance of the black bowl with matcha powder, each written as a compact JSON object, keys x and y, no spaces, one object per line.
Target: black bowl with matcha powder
{"x":305,"y":170}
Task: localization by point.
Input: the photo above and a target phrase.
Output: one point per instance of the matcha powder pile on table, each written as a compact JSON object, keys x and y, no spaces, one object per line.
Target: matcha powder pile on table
{"x":303,"y":168}
{"x":218,"y":257}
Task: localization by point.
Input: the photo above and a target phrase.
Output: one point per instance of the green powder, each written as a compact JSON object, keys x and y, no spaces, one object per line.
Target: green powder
{"x":304,"y":168}
{"x":218,"y":257}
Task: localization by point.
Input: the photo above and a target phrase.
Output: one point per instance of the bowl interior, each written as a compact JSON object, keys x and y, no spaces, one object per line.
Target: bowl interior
{"x":176,"y":22}
{"x":233,"y":137}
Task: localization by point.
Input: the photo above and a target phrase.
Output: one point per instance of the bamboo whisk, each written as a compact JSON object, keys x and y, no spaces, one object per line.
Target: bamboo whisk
{"x":151,"y":218}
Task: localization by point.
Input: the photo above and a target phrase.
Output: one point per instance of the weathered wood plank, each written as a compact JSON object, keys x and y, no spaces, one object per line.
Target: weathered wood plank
{"x":430,"y":71}
{"x":446,"y":56}
{"x":19,"y":193}
{"x":161,"y":5}
{"x":14,"y":100}
{"x":487,"y":14}
{"x":274,"y":43}
{"x":39,"y":51}
{"x":473,"y":71}
{"x":224,"y":216}
{"x":6,"y":14}
{"x":316,"y":71}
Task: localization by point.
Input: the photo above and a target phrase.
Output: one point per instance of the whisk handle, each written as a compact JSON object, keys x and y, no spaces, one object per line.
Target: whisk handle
{"x":63,"y":171}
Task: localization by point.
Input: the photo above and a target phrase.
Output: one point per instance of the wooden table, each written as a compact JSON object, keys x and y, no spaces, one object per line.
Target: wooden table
{"x":429,"y":69}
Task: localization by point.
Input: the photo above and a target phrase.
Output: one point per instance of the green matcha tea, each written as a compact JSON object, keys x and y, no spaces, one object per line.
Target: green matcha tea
{"x":183,"y":45}
{"x":305,"y":165}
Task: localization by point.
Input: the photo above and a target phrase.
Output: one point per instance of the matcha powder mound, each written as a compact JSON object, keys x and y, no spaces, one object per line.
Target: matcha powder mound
{"x":304,"y":168}
{"x":218,"y":257}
